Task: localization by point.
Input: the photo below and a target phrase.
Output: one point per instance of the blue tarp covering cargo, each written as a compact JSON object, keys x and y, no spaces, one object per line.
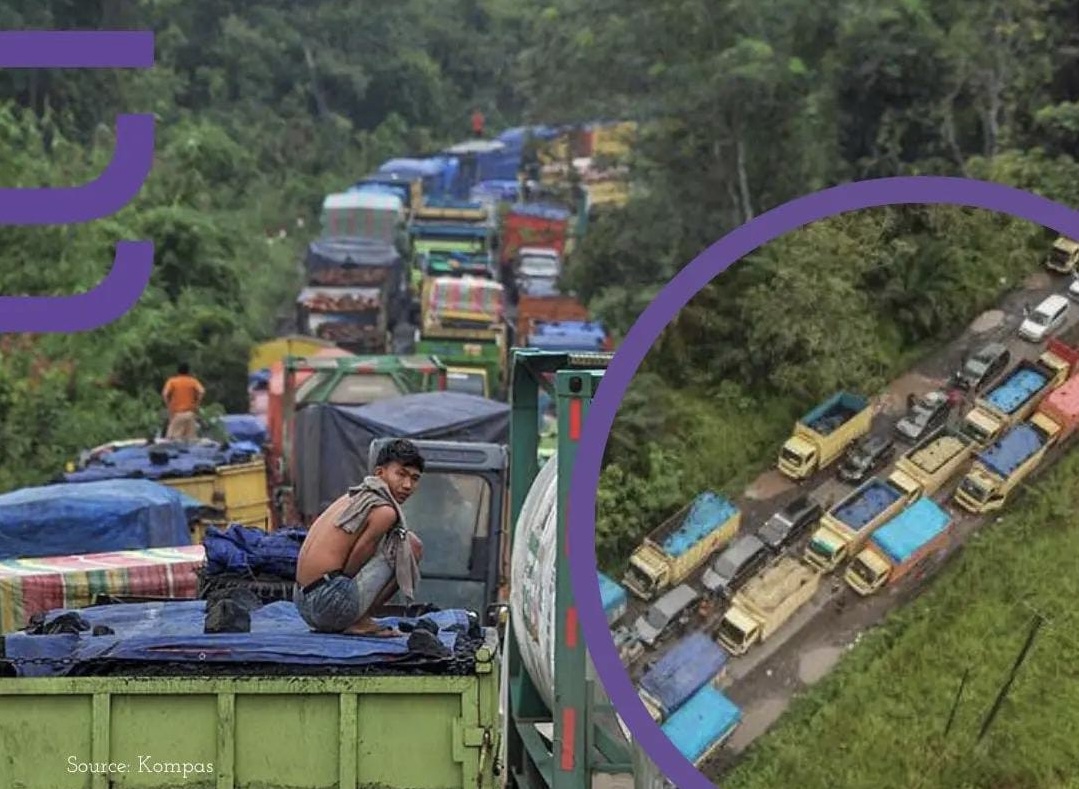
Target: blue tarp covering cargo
{"x":701,"y":723}
{"x":343,"y":252}
{"x":834,"y":412}
{"x":1016,"y":447}
{"x":173,"y":632}
{"x":94,"y":517}
{"x":908,"y":531}
{"x":164,"y":461}
{"x":708,"y":513}
{"x":1019,"y":387}
{"x":504,"y":191}
{"x":861,"y":507}
{"x":552,"y":213}
{"x":242,"y":549}
{"x":567,"y":336}
{"x":614,"y":598}
{"x":331,"y":442}
{"x":692,"y":663}
{"x":245,"y":427}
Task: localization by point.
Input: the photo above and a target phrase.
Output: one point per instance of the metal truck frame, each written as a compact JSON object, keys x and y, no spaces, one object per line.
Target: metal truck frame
{"x":581,"y":748}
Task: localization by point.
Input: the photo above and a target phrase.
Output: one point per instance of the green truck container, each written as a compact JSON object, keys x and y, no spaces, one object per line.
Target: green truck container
{"x":251,"y":733}
{"x":822,"y":435}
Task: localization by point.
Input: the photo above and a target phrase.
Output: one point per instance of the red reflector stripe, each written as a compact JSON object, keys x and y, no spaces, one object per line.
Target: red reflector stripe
{"x":569,"y":731}
{"x":574,"y":420}
{"x":571,"y":628}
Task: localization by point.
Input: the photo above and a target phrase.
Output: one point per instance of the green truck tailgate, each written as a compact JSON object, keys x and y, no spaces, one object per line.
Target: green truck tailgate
{"x":250,"y":733}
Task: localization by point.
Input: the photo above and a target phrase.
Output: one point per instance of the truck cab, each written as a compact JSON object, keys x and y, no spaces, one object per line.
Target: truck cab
{"x":647,"y":572}
{"x":868,"y":572}
{"x":1063,"y":256}
{"x":738,"y":631}
{"x":459,"y":510}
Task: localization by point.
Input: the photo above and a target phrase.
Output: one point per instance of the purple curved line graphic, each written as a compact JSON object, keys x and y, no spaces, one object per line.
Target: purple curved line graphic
{"x":663,"y":309}
{"x":77,"y":49}
{"x":110,"y":299}
{"x":117,"y":186}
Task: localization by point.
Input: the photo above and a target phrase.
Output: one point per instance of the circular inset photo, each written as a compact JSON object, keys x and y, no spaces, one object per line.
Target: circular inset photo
{"x":830,"y":504}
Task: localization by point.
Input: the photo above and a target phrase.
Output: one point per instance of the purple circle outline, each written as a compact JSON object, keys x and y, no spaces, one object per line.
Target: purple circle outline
{"x":645,"y":331}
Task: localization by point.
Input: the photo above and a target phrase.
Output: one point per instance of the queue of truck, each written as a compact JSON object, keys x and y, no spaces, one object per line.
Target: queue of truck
{"x":886,"y":533}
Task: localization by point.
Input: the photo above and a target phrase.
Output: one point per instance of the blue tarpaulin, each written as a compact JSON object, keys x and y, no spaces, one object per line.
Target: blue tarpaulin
{"x":1014,"y":449}
{"x":692,"y":663}
{"x":708,"y":513}
{"x":1017,"y":389}
{"x":861,"y":507}
{"x":164,"y":461}
{"x":248,"y":428}
{"x":332,"y":442}
{"x":547,"y":211}
{"x":173,"y":632}
{"x":702,"y":722}
{"x":242,"y":549}
{"x":914,"y":527}
{"x":94,"y":517}
{"x":567,"y":336}
{"x":614,"y":598}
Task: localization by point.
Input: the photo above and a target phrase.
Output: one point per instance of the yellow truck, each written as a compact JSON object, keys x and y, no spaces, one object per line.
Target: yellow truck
{"x":1018,"y":394}
{"x":1003,"y":467}
{"x":927,"y":467}
{"x":822,"y":435}
{"x":680,"y":545}
{"x":765,"y":603}
{"x":845,"y":527}
{"x":1063,"y":256}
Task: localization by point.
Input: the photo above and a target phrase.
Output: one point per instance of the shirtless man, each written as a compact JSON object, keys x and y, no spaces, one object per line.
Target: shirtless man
{"x":358,"y":553}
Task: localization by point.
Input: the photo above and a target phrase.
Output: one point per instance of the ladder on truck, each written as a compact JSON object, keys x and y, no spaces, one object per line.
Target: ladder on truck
{"x":586,"y":739}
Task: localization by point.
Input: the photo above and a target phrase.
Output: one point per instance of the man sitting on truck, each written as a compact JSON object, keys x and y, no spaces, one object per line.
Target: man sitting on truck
{"x":359,"y":552}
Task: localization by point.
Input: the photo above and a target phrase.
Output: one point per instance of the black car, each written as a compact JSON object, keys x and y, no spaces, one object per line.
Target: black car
{"x":982,"y":367}
{"x":924,"y":415}
{"x":739,"y":561}
{"x":790,"y":523}
{"x":864,"y":457}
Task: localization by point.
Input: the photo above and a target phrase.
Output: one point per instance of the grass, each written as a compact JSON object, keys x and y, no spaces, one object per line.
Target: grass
{"x":878,"y":719}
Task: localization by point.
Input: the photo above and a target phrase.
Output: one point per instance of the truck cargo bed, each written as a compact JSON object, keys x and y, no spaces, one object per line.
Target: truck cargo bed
{"x":857,"y":512}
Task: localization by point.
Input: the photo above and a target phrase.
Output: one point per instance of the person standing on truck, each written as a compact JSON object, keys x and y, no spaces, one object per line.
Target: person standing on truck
{"x":477,"y":123}
{"x":359,"y":552}
{"x":183,"y":395}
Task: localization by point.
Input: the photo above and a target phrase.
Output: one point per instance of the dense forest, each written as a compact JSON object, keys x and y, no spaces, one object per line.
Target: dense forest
{"x":265,"y":106}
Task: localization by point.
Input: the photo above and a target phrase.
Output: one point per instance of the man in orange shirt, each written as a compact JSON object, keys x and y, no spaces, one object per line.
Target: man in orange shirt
{"x":183,"y":395}
{"x":477,"y":123}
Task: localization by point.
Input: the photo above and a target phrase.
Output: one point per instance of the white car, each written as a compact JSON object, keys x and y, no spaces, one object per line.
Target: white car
{"x":1073,"y":289}
{"x":1044,"y":319}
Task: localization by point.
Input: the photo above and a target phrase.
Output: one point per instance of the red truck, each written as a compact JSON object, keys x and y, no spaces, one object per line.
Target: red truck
{"x":533,"y":225}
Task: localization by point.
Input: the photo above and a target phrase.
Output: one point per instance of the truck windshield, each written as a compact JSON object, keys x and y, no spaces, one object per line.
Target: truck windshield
{"x":469,"y":383}
{"x":536,"y":266}
{"x":638,"y":578}
{"x":731,"y":632}
{"x":860,"y":569}
{"x":448,"y":511}
{"x":818,"y":548}
{"x":973,"y":489}
{"x":974,"y":432}
{"x":791,"y":456}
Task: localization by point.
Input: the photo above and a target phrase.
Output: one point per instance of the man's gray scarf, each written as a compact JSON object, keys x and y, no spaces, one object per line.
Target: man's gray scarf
{"x":394,"y":545}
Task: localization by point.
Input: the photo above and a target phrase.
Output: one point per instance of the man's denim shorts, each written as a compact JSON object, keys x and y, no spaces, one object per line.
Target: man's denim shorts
{"x":338,"y":603}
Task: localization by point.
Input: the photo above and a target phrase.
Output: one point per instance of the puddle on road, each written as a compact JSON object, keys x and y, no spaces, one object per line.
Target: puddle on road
{"x":768,"y":485}
{"x":816,"y":663}
{"x":987,"y":321}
